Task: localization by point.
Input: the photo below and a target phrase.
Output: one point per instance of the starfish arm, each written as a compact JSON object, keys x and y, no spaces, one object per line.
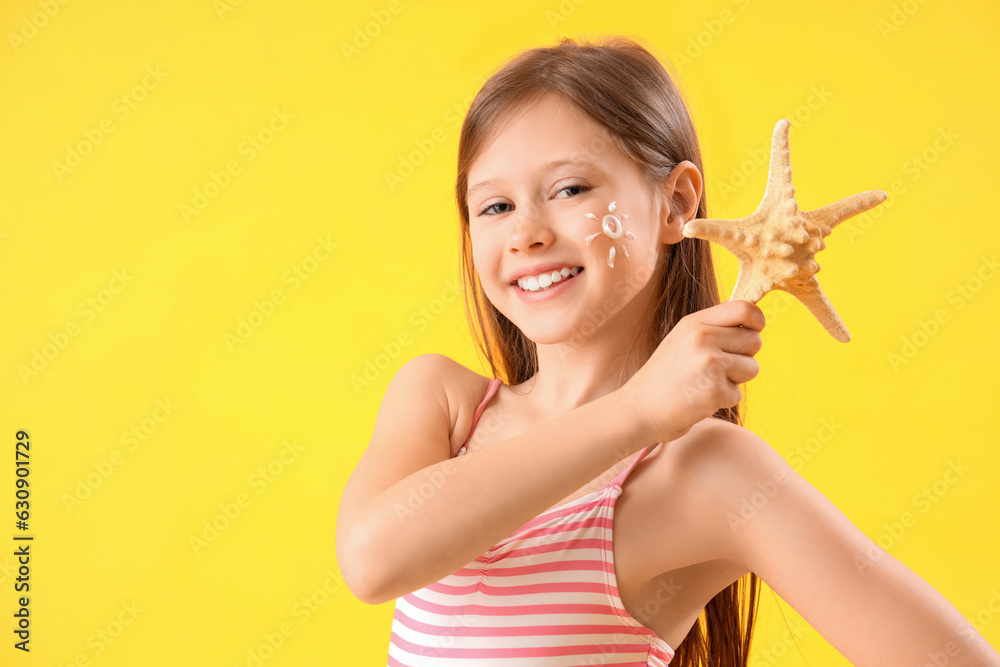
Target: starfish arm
{"x":779,"y":172}
{"x":815,"y":300}
{"x":751,"y":284}
{"x":831,"y":215}
{"x":727,"y":233}
{"x":708,"y":229}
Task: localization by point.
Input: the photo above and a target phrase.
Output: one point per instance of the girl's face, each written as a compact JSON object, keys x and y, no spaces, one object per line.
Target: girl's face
{"x":536,"y":194}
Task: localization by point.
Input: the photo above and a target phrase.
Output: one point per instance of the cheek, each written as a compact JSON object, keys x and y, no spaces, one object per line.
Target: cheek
{"x":481,"y":258}
{"x":486,"y":266}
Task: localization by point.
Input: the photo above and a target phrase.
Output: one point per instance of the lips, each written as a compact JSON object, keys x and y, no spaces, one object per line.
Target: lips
{"x":552,"y":292}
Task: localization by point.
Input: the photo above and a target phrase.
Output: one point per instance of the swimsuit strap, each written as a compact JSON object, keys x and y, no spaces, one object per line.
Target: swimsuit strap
{"x":622,"y":476}
{"x":494,"y":385}
{"x":492,"y":389}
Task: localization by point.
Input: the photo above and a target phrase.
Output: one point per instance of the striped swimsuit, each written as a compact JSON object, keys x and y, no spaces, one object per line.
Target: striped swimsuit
{"x":544,"y":596}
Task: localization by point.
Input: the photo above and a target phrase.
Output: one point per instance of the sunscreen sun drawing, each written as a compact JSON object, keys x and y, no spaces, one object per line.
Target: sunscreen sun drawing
{"x":612,"y":227}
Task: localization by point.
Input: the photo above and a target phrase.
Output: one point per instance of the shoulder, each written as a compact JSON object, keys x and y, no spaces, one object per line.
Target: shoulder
{"x":456,"y":388}
{"x":430,"y":367}
{"x":754,"y":508}
{"x":717,"y":452}
{"x":695,"y":485}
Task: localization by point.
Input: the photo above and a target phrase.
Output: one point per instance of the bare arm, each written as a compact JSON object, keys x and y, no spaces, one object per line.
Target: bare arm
{"x":866,"y":603}
{"x":410,"y":515}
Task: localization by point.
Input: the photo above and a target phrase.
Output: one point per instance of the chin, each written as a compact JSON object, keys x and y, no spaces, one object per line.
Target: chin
{"x":554,"y":335}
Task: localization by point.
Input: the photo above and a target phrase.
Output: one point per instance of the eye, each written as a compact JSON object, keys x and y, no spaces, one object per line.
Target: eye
{"x":492,"y":206}
{"x":581,"y":188}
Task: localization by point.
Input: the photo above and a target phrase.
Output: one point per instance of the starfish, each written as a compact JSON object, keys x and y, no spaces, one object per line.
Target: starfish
{"x":777,"y":243}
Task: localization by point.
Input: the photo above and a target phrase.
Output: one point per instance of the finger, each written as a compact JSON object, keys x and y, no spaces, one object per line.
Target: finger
{"x":741,"y":368}
{"x":734,"y":314}
{"x":735,"y":395}
{"x":737,"y":340}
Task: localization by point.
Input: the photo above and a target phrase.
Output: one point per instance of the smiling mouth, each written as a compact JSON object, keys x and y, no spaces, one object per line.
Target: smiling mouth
{"x":547,"y":280}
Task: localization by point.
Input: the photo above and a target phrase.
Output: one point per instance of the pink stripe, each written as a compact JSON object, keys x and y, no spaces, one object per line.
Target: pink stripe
{"x":557,"y":513}
{"x":580,"y":504}
{"x":503,"y":570}
{"x":526,"y":652}
{"x":512,"y":610}
{"x":589,"y":629}
{"x":528,"y":589}
{"x":515,"y":631}
{"x":657,"y":652}
{"x":591,"y":522}
{"x":545,"y":547}
{"x":576,"y":543}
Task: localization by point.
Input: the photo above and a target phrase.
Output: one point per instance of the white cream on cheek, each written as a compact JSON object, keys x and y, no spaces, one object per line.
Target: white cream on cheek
{"x":612,"y":228}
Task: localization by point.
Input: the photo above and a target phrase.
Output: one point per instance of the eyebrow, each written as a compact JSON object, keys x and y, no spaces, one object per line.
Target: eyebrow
{"x":554,"y":163}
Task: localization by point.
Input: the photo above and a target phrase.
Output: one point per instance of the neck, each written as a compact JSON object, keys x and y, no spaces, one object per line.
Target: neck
{"x":571,"y":374}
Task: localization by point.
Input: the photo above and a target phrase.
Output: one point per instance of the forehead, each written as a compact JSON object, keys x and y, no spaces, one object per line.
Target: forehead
{"x":550,"y":129}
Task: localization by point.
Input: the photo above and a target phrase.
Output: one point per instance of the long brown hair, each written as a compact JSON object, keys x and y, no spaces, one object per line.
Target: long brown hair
{"x":628,"y":92}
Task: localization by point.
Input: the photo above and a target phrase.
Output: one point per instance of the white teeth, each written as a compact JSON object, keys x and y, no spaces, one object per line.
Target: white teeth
{"x":545,"y":280}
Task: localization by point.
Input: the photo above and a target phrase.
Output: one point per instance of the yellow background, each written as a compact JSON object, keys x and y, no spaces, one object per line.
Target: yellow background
{"x":894,"y":77}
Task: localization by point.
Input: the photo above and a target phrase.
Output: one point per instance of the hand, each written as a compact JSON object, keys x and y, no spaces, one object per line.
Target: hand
{"x":695,"y":369}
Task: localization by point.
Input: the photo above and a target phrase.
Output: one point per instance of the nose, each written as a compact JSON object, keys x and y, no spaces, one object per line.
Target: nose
{"x":529,"y":229}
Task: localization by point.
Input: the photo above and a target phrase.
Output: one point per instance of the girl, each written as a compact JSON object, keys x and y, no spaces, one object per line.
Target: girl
{"x":519,"y":542}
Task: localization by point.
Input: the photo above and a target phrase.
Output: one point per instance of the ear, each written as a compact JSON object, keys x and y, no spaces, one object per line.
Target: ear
{"x":680,"y":194}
